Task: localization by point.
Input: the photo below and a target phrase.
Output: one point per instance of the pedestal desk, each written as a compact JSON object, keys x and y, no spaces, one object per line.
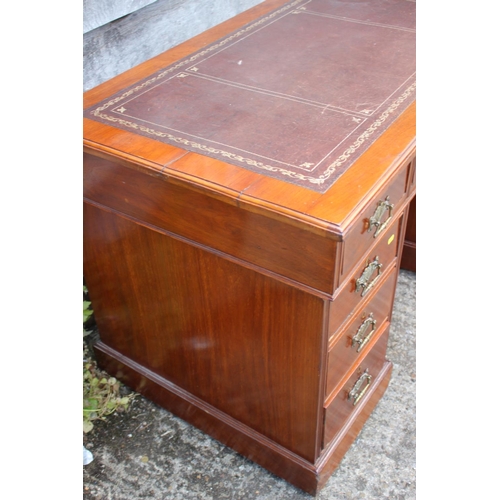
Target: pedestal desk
{"x":246,"y":196}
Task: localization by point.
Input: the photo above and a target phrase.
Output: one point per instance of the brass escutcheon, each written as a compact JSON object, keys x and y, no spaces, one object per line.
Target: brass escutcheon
{"x":363,"y":283}
{"x":375,"y":219}
{"x":363,"y":335}
{"x":360,"y":387}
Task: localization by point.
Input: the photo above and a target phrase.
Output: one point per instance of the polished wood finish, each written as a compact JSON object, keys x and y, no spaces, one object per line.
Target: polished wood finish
{"x":213,"y":221}
{"x":210,"y":326}
{"x":386,"y":248}
{"x":229,"y":297}
{"x":360,"y":237}
{"x":343,"y":352}
{"x":334,"y":452}
{"x":342,"y":403}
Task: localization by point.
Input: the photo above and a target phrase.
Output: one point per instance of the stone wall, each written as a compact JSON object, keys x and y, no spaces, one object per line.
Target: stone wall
{"x":122,"y":43}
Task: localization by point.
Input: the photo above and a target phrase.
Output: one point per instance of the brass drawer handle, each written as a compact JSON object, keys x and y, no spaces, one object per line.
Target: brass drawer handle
{"x":363,"y":335}
{"x":375,"y":219}
{"x":363,"y":283}
{"x":360,"y":388}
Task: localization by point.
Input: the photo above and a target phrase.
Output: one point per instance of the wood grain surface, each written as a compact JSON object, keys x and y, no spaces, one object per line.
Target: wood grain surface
{"x":209,"y":326}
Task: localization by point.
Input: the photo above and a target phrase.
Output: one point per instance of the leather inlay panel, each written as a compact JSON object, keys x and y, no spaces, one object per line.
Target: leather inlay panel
{"x":297,"y":95}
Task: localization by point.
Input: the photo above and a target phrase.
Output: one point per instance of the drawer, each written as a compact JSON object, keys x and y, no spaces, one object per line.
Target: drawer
{"x":344,"y":402}
{"x":372,"y":269}
{"x":360,"y":334}
{"x":381,"y":209}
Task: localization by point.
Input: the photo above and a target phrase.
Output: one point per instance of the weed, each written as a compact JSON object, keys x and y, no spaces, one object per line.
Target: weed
{"x":101,"y":393}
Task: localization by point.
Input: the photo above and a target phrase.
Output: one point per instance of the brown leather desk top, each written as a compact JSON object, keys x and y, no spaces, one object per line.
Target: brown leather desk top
{"x":297,"y":94}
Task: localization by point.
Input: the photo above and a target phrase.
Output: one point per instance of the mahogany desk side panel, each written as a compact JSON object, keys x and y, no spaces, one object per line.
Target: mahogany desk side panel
{"x":209,"y":326}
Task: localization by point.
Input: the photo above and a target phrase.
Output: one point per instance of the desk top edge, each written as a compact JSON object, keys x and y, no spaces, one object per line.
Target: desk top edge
{"x":318,"y":212}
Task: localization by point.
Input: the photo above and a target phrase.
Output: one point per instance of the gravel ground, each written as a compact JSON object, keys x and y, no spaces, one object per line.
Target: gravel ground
{"x":147,"y":452}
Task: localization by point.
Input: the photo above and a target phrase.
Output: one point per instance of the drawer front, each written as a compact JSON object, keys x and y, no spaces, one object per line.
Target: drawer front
{"x":355,"y":389}
{"x":360,"y":334}
{"x":361,"y":285}
{"x":382,"y":208}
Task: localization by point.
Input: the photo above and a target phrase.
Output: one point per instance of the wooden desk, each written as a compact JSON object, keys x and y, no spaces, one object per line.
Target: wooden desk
{"x":246,"y":196}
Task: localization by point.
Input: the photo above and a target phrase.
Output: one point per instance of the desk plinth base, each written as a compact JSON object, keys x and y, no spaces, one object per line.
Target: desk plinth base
{"x":229,"y":431}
